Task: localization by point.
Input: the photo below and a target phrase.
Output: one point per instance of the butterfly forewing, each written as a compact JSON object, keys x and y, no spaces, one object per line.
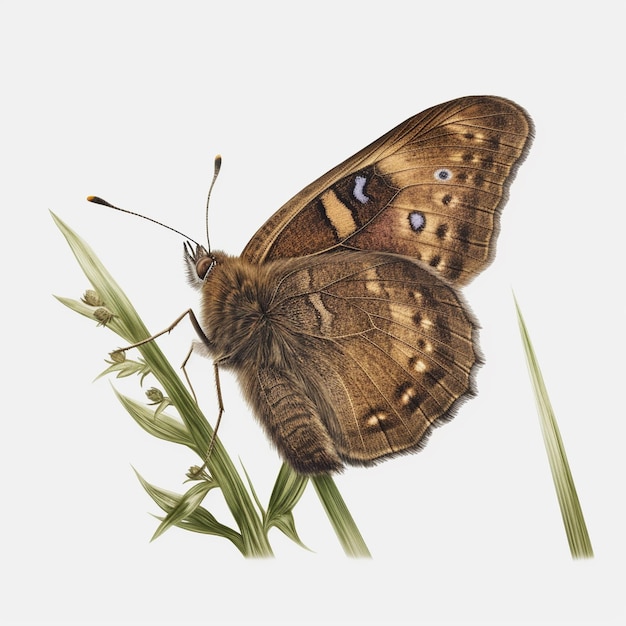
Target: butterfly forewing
{"x":432,"y":189}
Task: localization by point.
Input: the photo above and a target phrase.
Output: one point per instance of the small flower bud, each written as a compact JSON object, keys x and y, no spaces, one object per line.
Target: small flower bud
{"x":154,"y":395}
{"x":197,"y":473}
{"x":92,"y":298}
{"x":118,"y":356}
{"x":104,"y":316}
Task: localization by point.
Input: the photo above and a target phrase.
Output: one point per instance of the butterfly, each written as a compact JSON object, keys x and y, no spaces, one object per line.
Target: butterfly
{"x":342,"y":318}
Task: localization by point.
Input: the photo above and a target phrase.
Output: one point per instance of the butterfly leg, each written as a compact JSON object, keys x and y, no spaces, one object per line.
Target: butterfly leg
{"x":195,"y":472}
{"x":178,"y":320}
{"x":203,"y":337}
{"x":197,"y":328}
{"x":184,"y":368}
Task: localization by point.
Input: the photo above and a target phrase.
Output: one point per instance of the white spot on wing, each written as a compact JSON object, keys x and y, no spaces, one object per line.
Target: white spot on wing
{"x":359,"y":189}
{"x":376,"y":418}
{"x":408,"y":395}
{"x":372,"y":282}
{"x":419,"y":366}
{"x":417,"y":221}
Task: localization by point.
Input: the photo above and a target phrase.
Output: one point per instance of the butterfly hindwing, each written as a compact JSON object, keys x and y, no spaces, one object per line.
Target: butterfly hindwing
{"x":375,"y":350}
{"x":431,"y":189}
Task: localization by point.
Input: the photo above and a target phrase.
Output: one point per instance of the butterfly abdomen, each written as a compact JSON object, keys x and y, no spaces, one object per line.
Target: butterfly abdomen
{"x":292,"y":408}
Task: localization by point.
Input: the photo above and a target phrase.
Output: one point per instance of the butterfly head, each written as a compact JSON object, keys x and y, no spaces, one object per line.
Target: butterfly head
{"x":199,"y":263}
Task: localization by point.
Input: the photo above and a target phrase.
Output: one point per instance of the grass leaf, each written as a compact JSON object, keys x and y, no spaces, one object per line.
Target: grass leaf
{"x":197,"y":520}
{"x":339,"y":515}
{"x":571,"y":510}
{"x":163,"y":427}
{"x":288,"y":490}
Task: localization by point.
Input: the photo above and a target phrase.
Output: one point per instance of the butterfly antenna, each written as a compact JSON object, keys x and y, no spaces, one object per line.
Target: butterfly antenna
{"x":216,"y":170}
{"x":97,"y":200}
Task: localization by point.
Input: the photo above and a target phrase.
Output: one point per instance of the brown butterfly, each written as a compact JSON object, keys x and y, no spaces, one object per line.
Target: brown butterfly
{"x":342,"y":318}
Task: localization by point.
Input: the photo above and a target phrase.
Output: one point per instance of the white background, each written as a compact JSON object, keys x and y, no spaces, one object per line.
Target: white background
{"x":131,"y":101}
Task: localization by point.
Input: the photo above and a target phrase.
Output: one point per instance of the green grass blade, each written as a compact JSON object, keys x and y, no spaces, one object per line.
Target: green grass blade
{"x":288,"y":490}
{"x":571,"y":511}
{"x":186,"y":506}
{"x":198,"y":520}
{"x":163,"y":427}
{"x":346,"y":530}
